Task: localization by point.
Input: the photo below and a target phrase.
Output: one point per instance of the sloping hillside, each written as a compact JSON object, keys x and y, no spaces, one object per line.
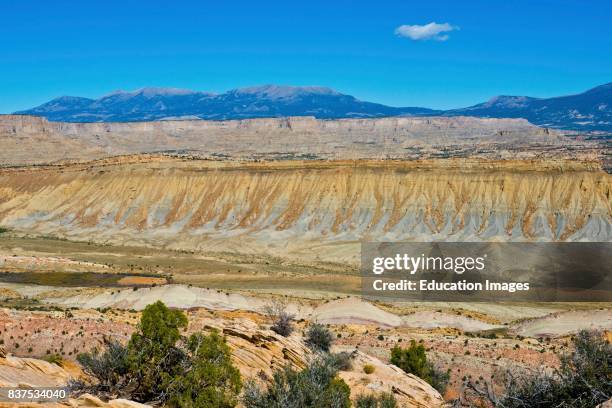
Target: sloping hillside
{"x":287,"y":207}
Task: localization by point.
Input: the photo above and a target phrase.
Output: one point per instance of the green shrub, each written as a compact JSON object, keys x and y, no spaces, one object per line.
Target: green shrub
{"x":53,"y":359}
{"x":366,"y":401}
{"x":342,"y":361}
{"x":369,"y":368}
{"x":152,"y":356}
{"x":159,"y":365}
{"x":109,"y":368}
{"x":413,"y":360}
{"x":439,"y":378}
{"x":318,"y":337}
{"x":387,"y":400}
{"x":583,"y":380}
{"x":384,"y":400}
{"x":211,"y":380}
{"x":317,"y":386}
{"x":282,"y":321}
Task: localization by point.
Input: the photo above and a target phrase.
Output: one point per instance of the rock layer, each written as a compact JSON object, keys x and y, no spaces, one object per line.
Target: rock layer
{"x":286,"y":208}
{"x":34,"y":140}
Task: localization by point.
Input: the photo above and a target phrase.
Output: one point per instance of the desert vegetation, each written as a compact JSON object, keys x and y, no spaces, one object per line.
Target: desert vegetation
{"x":318,"y":337}
{"x":156,"y":360}
{"x":282,"y":320}
{"x":158,"y":365}
{"x":315,"y":386}
{"x":384,"y":400}
{"x":73,"y":279}
{"x":583,"y":380}
{"x":413,"y":360}
{"x":161,"y":366}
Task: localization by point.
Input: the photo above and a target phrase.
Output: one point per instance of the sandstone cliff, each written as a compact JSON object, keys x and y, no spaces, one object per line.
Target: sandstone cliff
{"x":34,"y":140}
{"x":289,"y":207}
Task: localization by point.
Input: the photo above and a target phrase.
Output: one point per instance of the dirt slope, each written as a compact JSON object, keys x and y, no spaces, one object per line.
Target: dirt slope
{"x":290,"y":207}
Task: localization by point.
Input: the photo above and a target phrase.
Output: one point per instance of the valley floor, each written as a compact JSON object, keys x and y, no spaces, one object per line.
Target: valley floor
{"x":43,"y":314}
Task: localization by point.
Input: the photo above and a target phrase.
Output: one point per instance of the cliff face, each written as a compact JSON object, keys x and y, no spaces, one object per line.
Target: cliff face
{"x":288,"y":207}
{"x":28,"y":140}
{"x":34,"y":140}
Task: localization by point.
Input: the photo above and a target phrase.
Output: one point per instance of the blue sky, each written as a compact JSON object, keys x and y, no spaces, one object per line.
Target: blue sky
{"x":87,"y":48}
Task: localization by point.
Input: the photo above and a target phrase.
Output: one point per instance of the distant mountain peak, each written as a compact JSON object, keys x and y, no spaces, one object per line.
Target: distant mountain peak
{"x":152,"y":91}
{"x":252,"y":102}
{"x":590,"y":110}
{"x":68,"y":98}
{"x":603,"y":86}
{"x":65,"y":103}
{"x":508,"y":101}
{"x":601,"y":89}
{"x":283,"y":91}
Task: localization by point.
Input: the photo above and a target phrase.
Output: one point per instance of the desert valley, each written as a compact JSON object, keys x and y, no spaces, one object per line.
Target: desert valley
{"x":222,"y":219}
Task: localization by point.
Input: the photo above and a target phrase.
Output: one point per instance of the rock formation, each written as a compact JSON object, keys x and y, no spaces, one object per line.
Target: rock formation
{"x":34,"y":140}
{"x":256,"y":352}
{"x":283,"y":208}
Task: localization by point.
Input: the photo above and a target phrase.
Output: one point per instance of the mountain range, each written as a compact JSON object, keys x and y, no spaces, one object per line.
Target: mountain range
{"x":587,"y":111}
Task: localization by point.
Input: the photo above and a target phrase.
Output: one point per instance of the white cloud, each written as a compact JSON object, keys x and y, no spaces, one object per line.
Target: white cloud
{"x":431,"y":31}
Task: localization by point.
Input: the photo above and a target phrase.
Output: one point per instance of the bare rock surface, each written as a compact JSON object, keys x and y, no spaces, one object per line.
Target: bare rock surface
{"x":179,"y":296}
{"x":30,"y":372}
{"x":432,"y":320}
{"x":564,"y":323}
{"x":607,"y":404}
{"x":409,"y":390}
{"x":83,"y":401}
{"x":307,"y":210}
{"x":354,"y":311}
{"x":256,"y":352}
{"x":87,"y":401}
{"x":34,"y":140}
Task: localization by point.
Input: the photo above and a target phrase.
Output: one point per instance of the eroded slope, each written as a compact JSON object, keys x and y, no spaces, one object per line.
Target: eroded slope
{"x":291,"y":207}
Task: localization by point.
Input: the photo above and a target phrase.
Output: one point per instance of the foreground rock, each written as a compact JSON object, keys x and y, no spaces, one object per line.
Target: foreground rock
{"x":27,"y":373}
{"x":84,"y":401}
{"x":256,"y":352}
{"x":30,"y":372}
{"x":607,"y":404}
{"x":409,"y":390}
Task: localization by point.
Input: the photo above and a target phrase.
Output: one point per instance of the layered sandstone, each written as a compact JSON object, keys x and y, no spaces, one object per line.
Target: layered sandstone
{"x":289,"y":207}
{"x":34,"y":140}
{"x":256,"y":352}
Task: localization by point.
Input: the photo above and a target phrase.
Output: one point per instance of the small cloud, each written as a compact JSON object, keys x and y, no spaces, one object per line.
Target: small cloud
{"x":431,"y":31}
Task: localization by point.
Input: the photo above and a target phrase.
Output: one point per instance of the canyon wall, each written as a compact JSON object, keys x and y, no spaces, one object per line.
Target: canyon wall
{"x":28,"y":140}
{"x":308,"y":209}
